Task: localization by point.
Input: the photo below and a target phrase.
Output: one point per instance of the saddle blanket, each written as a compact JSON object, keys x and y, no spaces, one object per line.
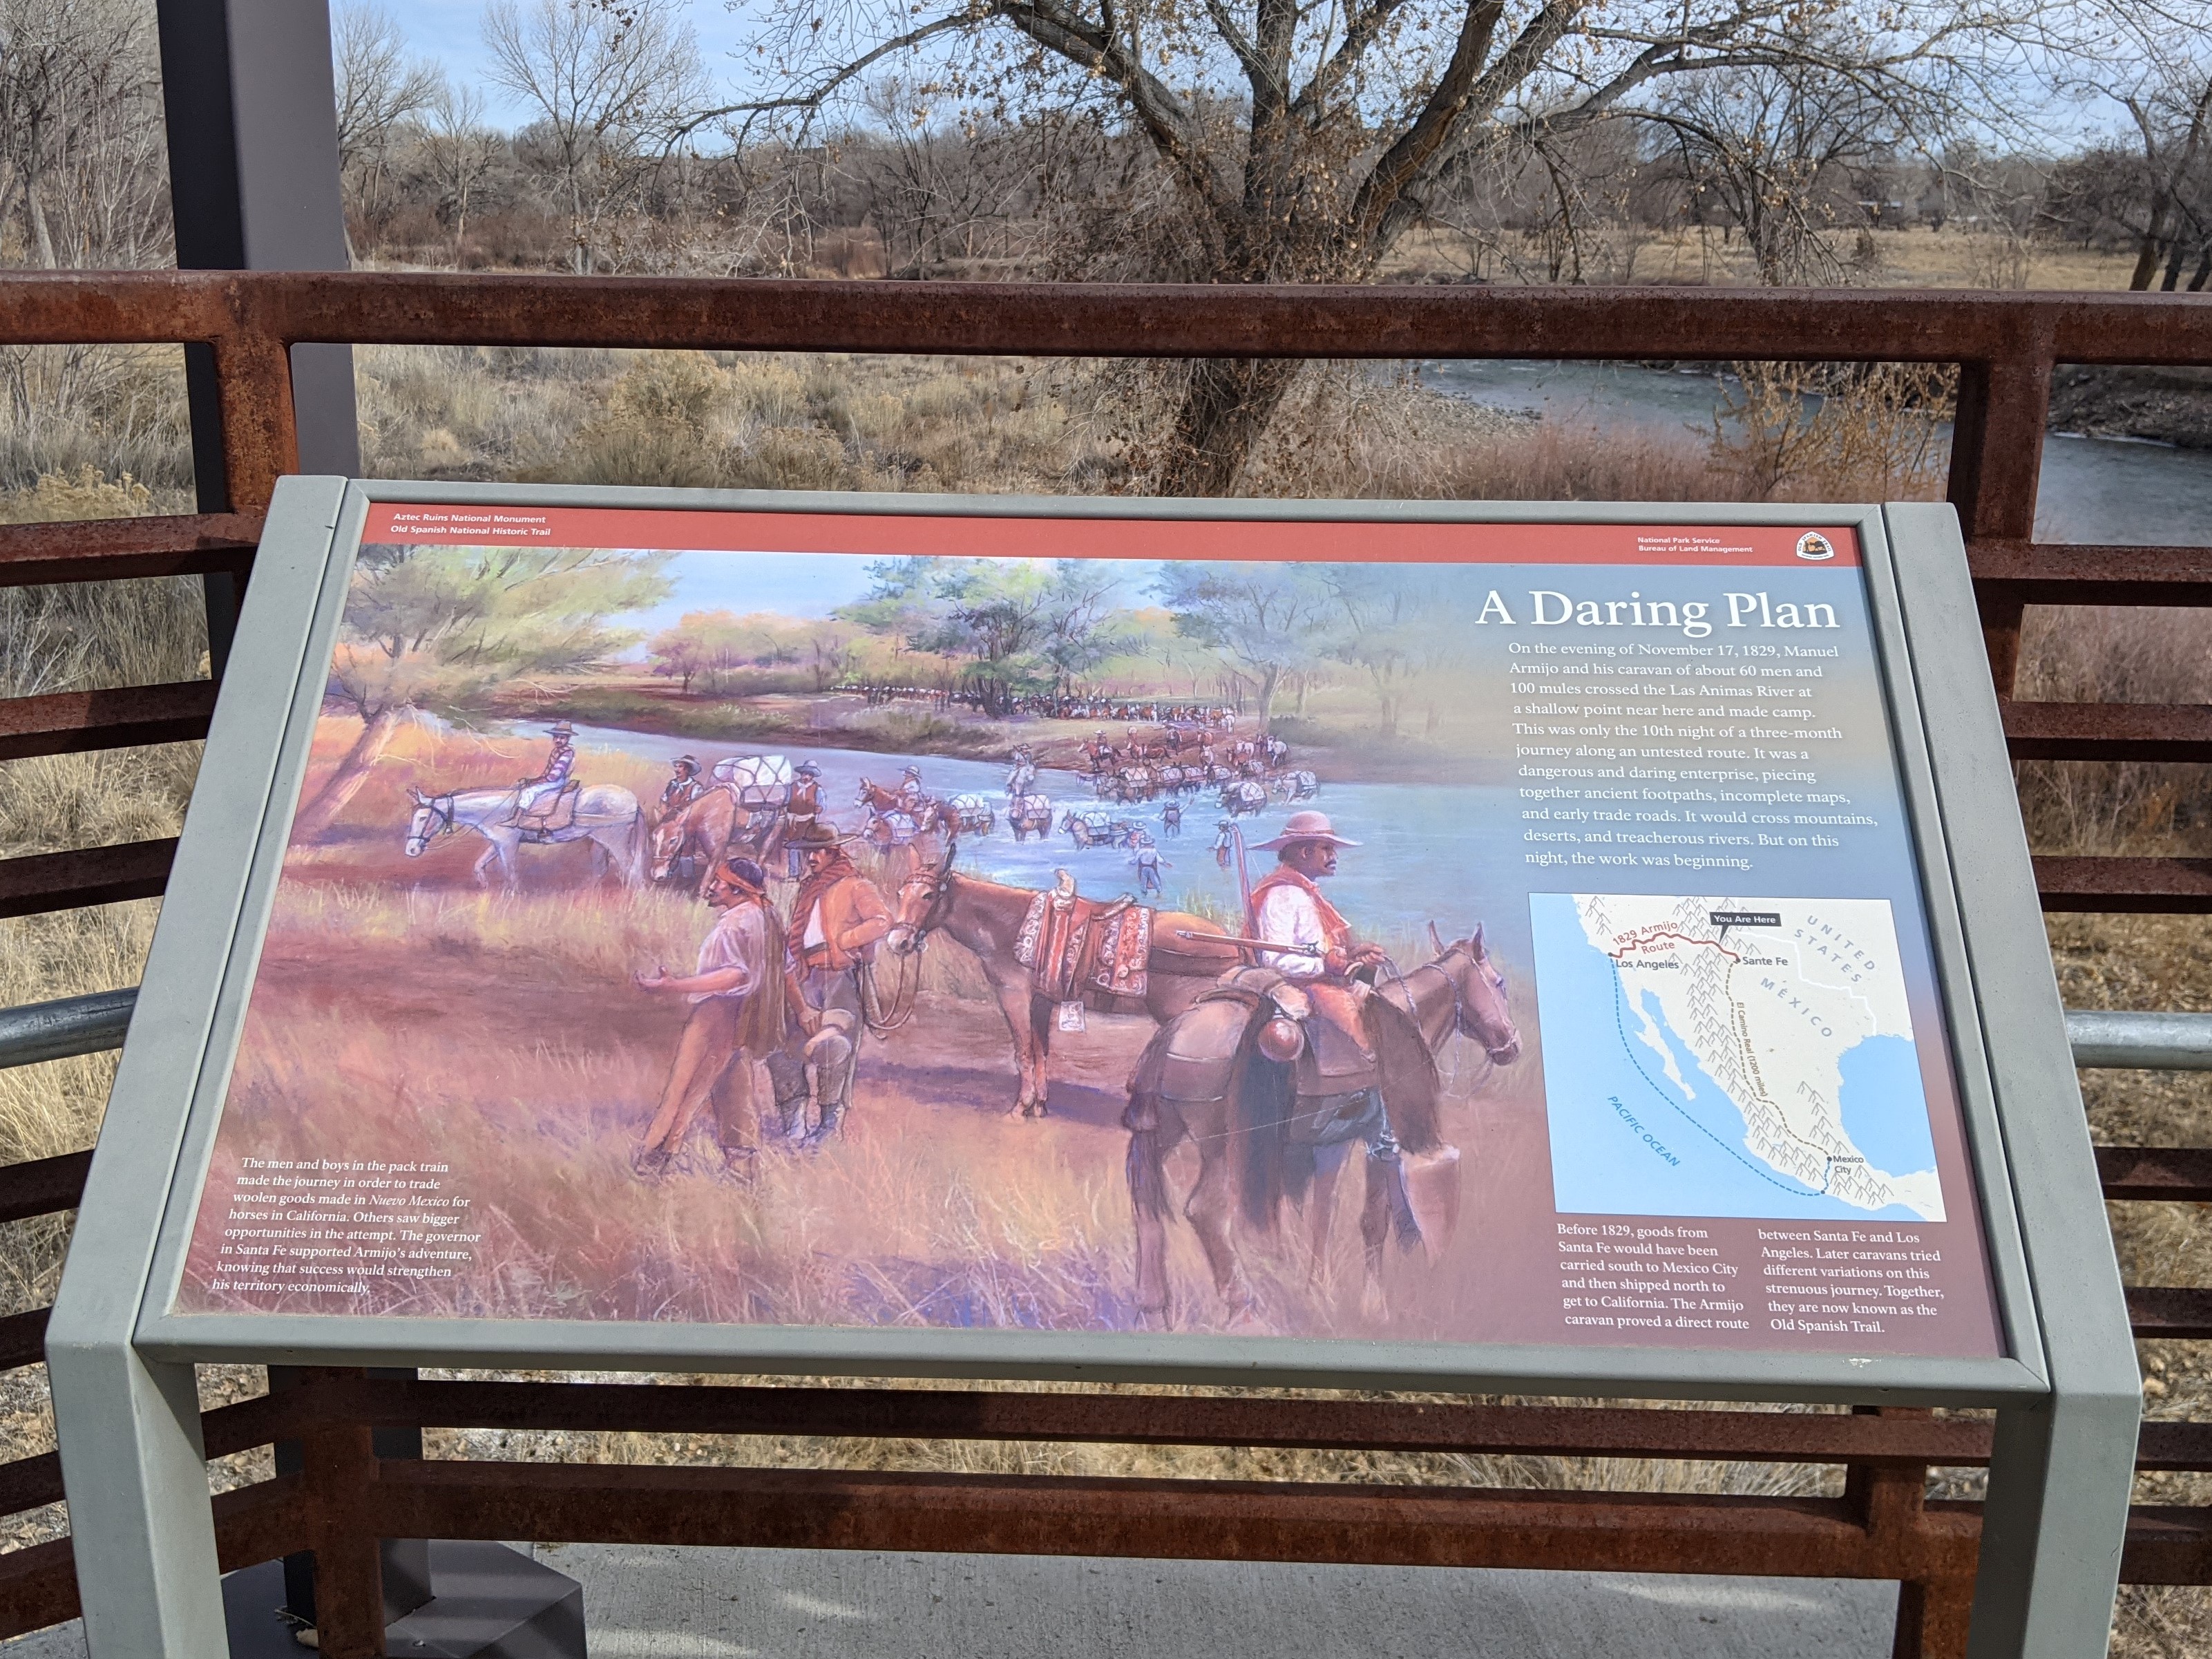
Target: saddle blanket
{"x":548,"y":817}
{"x":1072,"y":946}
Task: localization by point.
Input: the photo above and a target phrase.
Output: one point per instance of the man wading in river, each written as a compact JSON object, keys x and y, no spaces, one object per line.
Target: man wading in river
{"x":836,"y":918}
{"x":738,"y":1010}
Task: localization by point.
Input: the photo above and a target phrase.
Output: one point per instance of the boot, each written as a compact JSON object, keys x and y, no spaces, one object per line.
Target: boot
{"x":1382,"y":1150}
{"x":833,"y":1115}
{"x":791,"y":1113}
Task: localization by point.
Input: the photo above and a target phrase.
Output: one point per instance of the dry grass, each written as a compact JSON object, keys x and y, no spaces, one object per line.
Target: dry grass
{"x":1950,"y":258}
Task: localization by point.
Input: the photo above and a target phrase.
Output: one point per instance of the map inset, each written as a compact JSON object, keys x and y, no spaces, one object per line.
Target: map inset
{"x":1730,"y":1057}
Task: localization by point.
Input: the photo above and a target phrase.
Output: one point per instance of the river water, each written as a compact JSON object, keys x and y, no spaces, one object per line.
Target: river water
{"x":2093,"y":489}
{"x":1421,"y":843}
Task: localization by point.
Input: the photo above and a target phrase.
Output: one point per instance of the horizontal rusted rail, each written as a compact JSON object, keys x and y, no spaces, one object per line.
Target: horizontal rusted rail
{"x":91,"y":875}
{"x":2176,"y":1173}
{"x":38,"y":1585}
{"x":1088,"y":319}
{"x":2170,"y":1311}
{"x":2167,"y":1545}
{"x":2079,"y":573}
{"x":1247,"y":1521}
{"x":113,"y":549}
{"x":2127,"y":885}
{"x":43,"y":1186}
{"x":1162,"y":1421}
{"x":74,"y":722}
{"x":2108,"y":731}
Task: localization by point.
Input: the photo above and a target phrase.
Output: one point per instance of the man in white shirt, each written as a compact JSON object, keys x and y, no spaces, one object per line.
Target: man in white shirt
{"x":738,"y":1010}
{"x":1288,"y":908}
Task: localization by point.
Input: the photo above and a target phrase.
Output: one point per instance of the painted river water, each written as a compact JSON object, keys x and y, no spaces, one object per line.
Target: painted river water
{"x":1423,"y":845}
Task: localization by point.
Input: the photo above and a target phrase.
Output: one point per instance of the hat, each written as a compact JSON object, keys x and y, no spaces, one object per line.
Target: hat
{"x":815,"y":834}
{"x":913,"y":772}
{"x":691,"y":761}
{"x":809,"y":768}
{"x":1305,"y":826}
{"x":560,"y":729}
{"x":744,"y":873}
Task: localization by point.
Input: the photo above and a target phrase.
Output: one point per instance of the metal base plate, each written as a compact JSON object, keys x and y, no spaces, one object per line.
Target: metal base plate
{"x":488,"y":1602}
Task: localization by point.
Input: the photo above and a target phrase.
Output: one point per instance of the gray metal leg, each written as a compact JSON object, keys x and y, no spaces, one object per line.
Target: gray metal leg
{"x":135,"y":1471}
{"x":2060,"y":1478}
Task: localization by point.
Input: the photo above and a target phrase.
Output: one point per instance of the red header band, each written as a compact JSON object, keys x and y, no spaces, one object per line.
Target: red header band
{"x":883,"y":535}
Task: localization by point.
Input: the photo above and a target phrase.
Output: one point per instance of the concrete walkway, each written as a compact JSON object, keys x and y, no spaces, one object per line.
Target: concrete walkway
{"x":656,"y":1602}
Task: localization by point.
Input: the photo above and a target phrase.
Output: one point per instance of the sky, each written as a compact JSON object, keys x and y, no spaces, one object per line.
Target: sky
{"x":788,"y":583}
{"x":451,"y":31}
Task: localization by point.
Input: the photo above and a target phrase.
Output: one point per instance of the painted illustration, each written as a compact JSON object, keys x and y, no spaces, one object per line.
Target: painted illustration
{"x":1067,"y":934}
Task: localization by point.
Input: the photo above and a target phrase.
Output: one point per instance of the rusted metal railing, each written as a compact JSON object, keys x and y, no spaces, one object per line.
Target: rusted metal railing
{"x":1882,"y":1527}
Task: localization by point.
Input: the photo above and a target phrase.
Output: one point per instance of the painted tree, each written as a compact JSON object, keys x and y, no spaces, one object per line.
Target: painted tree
{"x":437,"y":629}
{"x":1273,"y":620}
{"x":1017,"y":627}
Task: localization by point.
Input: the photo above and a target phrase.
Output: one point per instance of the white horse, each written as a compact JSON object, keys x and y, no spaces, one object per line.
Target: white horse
{"x":607,"y":816}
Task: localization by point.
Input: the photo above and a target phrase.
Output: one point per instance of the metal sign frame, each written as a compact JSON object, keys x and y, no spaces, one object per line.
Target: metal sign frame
{"x":2067,"y":1396}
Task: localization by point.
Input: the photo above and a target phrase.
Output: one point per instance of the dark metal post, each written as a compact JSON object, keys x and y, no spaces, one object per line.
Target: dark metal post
{"x":253,"y":177}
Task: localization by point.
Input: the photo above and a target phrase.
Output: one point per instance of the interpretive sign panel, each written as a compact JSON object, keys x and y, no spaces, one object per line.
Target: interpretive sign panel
{"x":1365,"y":926}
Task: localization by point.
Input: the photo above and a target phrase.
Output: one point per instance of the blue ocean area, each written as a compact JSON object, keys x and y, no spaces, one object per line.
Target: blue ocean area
{"x":1626,"y":1139}
{"x":1883,"y":1105}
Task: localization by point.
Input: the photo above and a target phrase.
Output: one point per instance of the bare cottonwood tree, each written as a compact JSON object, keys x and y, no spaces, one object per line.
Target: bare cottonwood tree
{"x":81,"y":148}
{"x":380,"y":87}
{"x":458,"y":151}
{"x":1302,"y":140}
{"x":1772,"y":144}
{"x":2153,"y":59}
{"x":613,"y":84}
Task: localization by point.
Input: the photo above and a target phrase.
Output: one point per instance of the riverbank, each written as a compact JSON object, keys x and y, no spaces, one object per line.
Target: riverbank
{"x":1333,"y":752}
{"x":2161,"y":405}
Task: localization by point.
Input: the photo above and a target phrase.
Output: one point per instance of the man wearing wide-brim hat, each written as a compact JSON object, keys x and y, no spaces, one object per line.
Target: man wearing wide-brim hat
{"x":738,"y":1008}
{"x":836,"y":918}
{"x":1288,"y":908}
{"x":538,"y":794}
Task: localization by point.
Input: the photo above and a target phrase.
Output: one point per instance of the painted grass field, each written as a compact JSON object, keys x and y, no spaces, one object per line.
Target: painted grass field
{"x":404,"y":1013}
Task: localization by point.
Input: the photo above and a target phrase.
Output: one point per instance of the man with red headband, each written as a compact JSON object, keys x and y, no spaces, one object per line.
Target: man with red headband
{"x":738,"y":1010}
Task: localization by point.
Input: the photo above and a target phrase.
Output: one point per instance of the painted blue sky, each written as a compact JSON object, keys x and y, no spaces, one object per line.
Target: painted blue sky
{"x":788,"y":584}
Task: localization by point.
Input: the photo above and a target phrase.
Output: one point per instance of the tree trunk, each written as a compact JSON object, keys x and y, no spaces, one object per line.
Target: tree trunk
{"x":1270,"y":677}
{"x":2147,"y":250}
{"x":1224,"y":413}
{"x":318,"y":814}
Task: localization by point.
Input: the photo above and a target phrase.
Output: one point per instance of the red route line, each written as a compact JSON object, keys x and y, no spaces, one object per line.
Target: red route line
{"x":1642,"y":939}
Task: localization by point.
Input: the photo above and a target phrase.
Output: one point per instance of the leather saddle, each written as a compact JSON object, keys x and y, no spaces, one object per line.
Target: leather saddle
{"x":1198,"y":1059}
{"x":1079,"y":948}
{"x":549,"y":817}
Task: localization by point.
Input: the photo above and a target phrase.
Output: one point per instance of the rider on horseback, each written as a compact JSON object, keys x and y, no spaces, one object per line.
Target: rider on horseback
{"x":1288,"y":910}
{"x":1337,"y":975}
{"x":806,"y":804}
{"x":684,"y":787}
{"x":536,"y":798}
